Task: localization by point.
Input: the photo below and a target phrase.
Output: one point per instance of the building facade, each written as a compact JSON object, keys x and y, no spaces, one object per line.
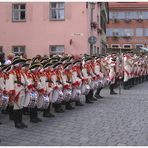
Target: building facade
{"x":49,"y":28}
{"x":128,"y":25}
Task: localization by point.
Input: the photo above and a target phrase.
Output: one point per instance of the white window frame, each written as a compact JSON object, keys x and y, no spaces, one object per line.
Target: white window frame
{"x":56,"y":52}
{"x":18,"y":12}
{"x":58,"y":9}
{"x":138,"y":45}
{"x":19,"y":49}
{"x":115,"y":45}
{"x":127,"y":45}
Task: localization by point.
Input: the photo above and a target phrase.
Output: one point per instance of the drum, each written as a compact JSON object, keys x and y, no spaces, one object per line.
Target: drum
{"x":31,"y":99}
{"x":43,"y":101}
{"x":85,"y":88}
{"x":105,"y":82}
{"x":4,"y":101}
{"x":99,"y":83}
{"x":67,"y":94}
{"x":57,"y":96}
{"x":94,"y":85}
{"x":76,"y":94}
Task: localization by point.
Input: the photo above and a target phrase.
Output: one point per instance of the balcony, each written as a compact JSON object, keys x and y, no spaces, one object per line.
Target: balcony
{"x":140,"y":20}
{"x":127,"y":20}
{"x":127,"y":36}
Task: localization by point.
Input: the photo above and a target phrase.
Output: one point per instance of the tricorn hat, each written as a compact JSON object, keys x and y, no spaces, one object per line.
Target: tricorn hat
{"x":67,"y":64}
{"x":18,"y":60}
{"x":35,"y":65}
{"x":57,"y":64}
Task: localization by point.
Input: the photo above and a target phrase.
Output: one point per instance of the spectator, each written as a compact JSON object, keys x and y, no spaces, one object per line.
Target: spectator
{"x":9,"y":58}
{"x":2,"y":58}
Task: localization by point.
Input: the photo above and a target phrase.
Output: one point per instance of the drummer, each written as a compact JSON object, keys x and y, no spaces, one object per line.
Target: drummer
{"x":16,"y":91}
{"x":34,"y":80}
{"x":48,"y":85}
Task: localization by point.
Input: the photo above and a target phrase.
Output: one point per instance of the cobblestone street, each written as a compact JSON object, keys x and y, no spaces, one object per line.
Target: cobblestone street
{"x":113,"y":120}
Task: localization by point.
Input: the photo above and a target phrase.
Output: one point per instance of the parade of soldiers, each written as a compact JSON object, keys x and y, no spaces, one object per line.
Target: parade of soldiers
{"x":28,"y":86}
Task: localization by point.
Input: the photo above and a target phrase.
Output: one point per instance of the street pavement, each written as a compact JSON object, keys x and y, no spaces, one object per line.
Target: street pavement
{"x":115,"y":120}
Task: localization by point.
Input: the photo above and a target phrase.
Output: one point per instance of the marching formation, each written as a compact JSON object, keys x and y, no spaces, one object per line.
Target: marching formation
{"x":40,"y":83}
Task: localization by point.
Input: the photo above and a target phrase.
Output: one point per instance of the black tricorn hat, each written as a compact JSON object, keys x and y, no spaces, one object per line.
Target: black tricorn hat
{"x":57,"y":64}
{"x":70,"y":58}
{"x":76,"y":62}
{"x":44,"y":60}
{"x":64,"y":58}
{"x":18,"y":60}
{"x":54,"y":61}
{"x":35,"y":65}
{"x":47,"y":65}
{"x":25,"y":65}
{"x":6,"y":67}
{"x":67,"y":64}
{"x":88,"y":59}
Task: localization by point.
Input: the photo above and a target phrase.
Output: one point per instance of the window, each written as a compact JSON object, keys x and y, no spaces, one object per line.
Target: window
{"x":1,"y":48}
{"x":127,"y":15}
{"x":120,"y":32}
{"x":128,"y":32}
{"x":146,"y":32}
{"x":127,"y":46}
{"x":139,"y":31}
{"x":56,"y":49}
{"x":139,"y":14}
{"x":115,"y":15}
{"x":18,"y":50}
{"x":19,"y":12}
{"x":109,"y":32}
{"x":57,"y":11}
{"x":115,"y":46}
{"x":145,"y":15}
{"x":138,"y":45}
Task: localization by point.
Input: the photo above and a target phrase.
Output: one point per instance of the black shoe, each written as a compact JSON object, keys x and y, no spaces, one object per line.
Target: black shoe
{"x":33,"y":120}
{"x":98,"y":97}
{"x":113,"y":93}
{"x":19,"y":125}
{"x":24,"y":125}
{"x":93,"y":99}
{"x":49,"y":115}
{"x":38,"y":119}
{"x":0,"y":122}
{"x":89,"y":102}
{"x":79,"y":104}
{"x":69,"y":107}
{"x":26,"y":113}
{"x":59,"y":110}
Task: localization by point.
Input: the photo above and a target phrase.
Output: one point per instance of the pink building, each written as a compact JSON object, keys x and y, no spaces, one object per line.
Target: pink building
{"x":49,"y":28}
